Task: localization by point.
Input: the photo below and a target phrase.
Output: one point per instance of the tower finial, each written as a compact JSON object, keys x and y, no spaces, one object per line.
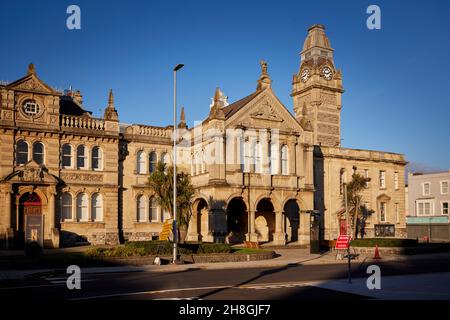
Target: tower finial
{"x":111,"y":98}
{"x":263,"y":67}
{"x":182,"y":123}
{"x":217,"y":95}
{"x":31,"y":69}
{"x":110,"y":110}
{"x":264,"y":79}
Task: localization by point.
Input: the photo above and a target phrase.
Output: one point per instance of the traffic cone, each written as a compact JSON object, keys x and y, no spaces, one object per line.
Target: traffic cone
{"x":377,"y":253}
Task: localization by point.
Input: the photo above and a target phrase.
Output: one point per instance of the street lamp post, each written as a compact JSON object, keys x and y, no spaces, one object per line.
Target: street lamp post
{"x":175,"y":229}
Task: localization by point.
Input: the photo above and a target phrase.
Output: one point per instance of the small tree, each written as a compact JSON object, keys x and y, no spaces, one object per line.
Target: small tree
{"x":357,"y":210}
{"x":161,"y":182}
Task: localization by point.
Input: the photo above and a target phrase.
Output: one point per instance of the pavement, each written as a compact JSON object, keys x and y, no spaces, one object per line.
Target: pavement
{"x":290,"y":257}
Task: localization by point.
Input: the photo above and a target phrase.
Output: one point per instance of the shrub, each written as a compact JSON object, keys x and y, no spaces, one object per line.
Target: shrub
{"x":165,"y":247}
{"x":119,"y":251}
{"x":214,"y":248}
{"x":384,"y":242}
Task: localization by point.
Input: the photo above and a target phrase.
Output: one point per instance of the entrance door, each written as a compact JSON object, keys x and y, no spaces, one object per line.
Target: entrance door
{"x":29,"y":219}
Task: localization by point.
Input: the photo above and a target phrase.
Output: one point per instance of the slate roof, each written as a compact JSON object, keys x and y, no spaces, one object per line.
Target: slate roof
{"x":236,"y":106}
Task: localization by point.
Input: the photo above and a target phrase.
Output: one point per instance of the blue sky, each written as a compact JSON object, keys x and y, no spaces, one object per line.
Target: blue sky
{"x":397,"y":79}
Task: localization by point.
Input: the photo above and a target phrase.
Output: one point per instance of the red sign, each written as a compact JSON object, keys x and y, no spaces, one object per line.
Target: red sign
{"x":342,"y":242}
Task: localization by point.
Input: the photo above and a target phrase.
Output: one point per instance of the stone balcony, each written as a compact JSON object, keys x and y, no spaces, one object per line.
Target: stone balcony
{"x":82,"y":123}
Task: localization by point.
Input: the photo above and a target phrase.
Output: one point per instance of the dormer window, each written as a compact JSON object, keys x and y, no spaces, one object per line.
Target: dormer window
{"x":31,"y":108}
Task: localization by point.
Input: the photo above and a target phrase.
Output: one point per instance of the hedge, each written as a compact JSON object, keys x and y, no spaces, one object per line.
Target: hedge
{"x":149,"y":248}
{"x":384,"y":242}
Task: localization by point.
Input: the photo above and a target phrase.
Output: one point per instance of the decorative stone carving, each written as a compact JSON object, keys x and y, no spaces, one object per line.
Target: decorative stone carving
{"x":31,"y":84}
{"x":72,"y":176}
{"x":266,"y":112}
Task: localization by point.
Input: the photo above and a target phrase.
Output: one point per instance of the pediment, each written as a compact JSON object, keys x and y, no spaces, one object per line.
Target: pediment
{"x":31,"y":83}
{"x":31,"y":172}
{"x":265,"y":111}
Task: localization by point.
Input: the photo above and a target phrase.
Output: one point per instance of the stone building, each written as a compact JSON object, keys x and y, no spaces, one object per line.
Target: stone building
{"x":258,"y":170}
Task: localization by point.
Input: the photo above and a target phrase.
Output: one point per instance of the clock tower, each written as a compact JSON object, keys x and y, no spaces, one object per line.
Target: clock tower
{"x":317,"y":89}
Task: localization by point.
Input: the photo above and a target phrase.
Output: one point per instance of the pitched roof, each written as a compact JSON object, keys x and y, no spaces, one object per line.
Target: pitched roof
{"x":236,"y":106}
{"x":69,"y":107}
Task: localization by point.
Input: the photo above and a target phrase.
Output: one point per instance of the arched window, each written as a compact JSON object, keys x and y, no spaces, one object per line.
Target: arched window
{"x":21,"y":152}
{"x":257,"y":152}
{"x":38,"y":152}
{"x":141,"y":162}
{"x":153,"y":162}
{"x":165,"y":214}
{"x":82,"y":207}
{"x":274,"y":160}
{"x":97,"y":158}
{"x":153,"y":209}
{"x":66,"y":206}
{"x":198,"y":162}
{"x":242,"y":157}
{"x":81,"y":157}
{"x":141,"y":208}
{"x":203,"y":161}
{"x":97,"y":207}
{"x":66,"y":155}
{"x":165,"y":159}
{"x":284,"y":160}
{"x":248,"y":157}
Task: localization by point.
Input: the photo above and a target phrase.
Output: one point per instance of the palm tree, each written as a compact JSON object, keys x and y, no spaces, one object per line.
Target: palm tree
{"x":161,"y":182}
{"x":357,"y":209}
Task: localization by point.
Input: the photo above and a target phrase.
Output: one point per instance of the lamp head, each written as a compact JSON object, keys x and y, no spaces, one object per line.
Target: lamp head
{"x":178,"y":67}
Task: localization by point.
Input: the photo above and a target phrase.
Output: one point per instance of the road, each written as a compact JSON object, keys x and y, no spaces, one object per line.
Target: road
{"x":294,"y":281}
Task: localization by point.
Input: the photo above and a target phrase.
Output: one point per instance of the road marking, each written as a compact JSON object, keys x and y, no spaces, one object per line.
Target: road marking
{"x":29,"y":287}
{"x":65,"y":281}
{"x":261,"y":286}
{"x":150,"y":292}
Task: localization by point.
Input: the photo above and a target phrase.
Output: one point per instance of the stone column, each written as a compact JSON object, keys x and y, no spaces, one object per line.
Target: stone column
{"x":51,"y":209}
{"x":209,"y":235}
{"x":309,"y":165}
{"x":264,"y":140}
{"x":193,"y":228}
{"x":291,"y":155}
{"x":9,"y":231}
{"x":279,"y":237}
{"x":304,"y":234}
{"x":252,"y":236}
{"x":7,"y":192}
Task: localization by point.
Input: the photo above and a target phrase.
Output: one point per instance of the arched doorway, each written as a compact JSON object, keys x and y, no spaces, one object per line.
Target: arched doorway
{"x":292,"y":220}
{"x":199,"y":223}
{"x":265,"y":220}
{"x":237,"y":220}
{"x":29,"y":205}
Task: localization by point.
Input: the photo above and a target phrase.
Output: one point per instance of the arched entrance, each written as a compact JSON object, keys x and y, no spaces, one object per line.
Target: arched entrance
{"x":198,"y":225}
{"x":237,"y":220}
{"x":292,"y":220}
{"x":265,"y":220}
{"x":29,"y":205}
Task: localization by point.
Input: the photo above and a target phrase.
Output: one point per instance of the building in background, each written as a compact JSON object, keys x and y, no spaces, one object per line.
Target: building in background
{"x":428,"y":201}
{"x":66,"y":176}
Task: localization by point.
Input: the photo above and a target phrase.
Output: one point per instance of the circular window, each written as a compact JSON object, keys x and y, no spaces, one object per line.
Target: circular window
{"x":31,"y":108}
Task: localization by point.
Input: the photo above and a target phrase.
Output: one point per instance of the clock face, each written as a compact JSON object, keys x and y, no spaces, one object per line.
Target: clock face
{"x":327,"y":73}
{"x":305,"y":75}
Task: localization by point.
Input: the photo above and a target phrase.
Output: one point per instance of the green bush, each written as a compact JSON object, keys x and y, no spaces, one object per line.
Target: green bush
{"x":384,"y":242}
{"x":214,"y":248}
{"x":165,"y":247}
{"x":115,"y":252}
